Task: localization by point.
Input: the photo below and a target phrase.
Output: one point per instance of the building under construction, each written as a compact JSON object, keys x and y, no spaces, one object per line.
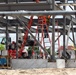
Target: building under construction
{"x":48,"y":21}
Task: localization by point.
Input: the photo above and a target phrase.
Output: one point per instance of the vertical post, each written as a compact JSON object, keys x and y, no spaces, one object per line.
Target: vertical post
{"x":74,"y":1}
{"x":53,"y":38}
{"x":7,"y":1}
{"x":74,"y":40}
{"x":38,"y":38}
{"x":7,"y":33}
{"x":64,"y":33}
{"x":17,"y":1}
{"x":66,"y":1}
{"x":73,"y":30}
{"x":17,"y":41}
{"x":53,"y":32}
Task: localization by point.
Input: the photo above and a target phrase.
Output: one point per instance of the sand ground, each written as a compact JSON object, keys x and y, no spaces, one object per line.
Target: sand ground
{"x":45,"y":71}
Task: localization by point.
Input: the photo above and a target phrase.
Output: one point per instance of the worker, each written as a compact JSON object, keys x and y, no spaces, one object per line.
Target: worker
{"x":65,"y":55}
{"x":13,"y":45}
{"x":19,"y":42}
{"x":45,"y":32}
{"x":48,"y":19}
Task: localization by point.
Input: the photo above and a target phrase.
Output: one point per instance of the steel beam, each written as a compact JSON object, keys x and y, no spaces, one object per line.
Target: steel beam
{"x":71,"y":39}
{"x":67,"y":16}
{"x":25,"y":6}
{"x":36,"y":13}
{"x":58,"y":37}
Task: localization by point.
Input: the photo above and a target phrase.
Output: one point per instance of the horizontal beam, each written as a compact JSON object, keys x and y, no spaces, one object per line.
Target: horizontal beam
{"x":36,"y":13}
{"x":25,"y":6}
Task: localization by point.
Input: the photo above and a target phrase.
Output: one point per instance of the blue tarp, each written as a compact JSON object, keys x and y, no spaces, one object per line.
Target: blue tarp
{"x":3,"y":61}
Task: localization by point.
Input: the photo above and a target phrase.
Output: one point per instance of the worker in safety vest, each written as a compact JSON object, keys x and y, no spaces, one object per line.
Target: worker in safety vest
{"x":46,"y":26}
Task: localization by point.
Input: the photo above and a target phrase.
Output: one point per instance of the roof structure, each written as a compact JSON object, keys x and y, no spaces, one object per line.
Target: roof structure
{"x":30,"y":5}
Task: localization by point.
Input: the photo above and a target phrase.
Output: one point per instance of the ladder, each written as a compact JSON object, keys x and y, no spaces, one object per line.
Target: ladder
{"x":42,"y":21}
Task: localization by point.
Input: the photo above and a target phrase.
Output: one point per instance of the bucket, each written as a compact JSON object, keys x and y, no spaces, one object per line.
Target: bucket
{"x":60,"y":63}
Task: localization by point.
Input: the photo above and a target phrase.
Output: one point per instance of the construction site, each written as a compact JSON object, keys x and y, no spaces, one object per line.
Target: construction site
{"x":37,"y":37}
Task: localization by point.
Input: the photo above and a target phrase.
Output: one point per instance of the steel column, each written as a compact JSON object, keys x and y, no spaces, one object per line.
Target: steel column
{"x":75,"y":7}
{"x":53,"y":33}
{"x":7,"y":33}
{"x":17,"y":1}
{"x":64,"y":33}
{"x":73,"y":35}
{"x":6,"y":1}
{"x":17,"y":41}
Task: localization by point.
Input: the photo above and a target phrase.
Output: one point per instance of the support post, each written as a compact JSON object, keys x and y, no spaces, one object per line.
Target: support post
{"x":74,"y":6}
{"x":53,"y":38}
{"x":17,"y":1}
{"x":38,"y":38}
{"x":7,"y":1}
{"x":75,"y":32}
{"x":7,"y":33}
{"x":17,"y":41}
{"x":64,"y":33}
{"x":53,"y":33}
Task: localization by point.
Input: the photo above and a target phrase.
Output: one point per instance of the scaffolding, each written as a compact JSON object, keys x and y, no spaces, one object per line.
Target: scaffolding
{"x":18,"y":9}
